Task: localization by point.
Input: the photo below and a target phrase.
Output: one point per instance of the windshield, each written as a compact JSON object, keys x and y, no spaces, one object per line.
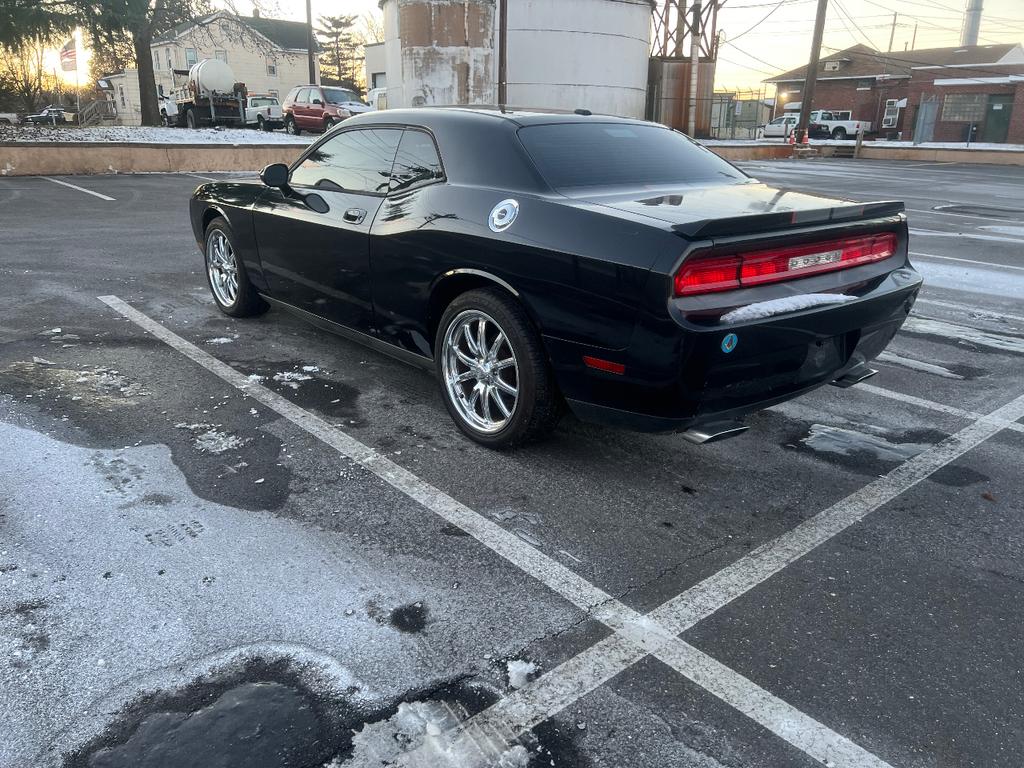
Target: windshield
{"x":620,"y":154}
{"x":340,"y":95}
{"x":263,"y":101}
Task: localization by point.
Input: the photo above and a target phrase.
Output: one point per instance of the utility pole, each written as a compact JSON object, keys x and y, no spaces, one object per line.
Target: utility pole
{"x":892,"y":33}
{"x":310,"y":44}
{"x":694,"y":65}
{"x":812,"y":72}
{"x":503,"y":54}
{"x":913,"y":40}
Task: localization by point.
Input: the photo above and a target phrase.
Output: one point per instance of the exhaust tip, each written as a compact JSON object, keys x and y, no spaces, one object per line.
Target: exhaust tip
{"x":713,"y":432}
{"x":855,"y":375}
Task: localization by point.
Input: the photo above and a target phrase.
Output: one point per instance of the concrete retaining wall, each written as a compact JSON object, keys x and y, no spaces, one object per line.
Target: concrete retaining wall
{"x":49,"y":159}
{"x":42,"y":159}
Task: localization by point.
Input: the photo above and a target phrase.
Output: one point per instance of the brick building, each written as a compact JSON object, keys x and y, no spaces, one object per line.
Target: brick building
{"x":939,"y":94}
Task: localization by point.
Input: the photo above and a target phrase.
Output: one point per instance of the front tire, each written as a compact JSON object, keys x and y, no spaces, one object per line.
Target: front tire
{"x":495,"y":379}
{"x":329,"y":123}
{"x":225,"y":273}
{"x":290,"y":126}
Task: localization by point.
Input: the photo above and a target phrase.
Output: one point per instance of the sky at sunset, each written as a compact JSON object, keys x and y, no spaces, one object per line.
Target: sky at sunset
{"x":765,"y":37}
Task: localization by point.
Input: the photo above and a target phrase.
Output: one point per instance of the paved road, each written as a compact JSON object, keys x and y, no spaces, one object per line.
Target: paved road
{"x":258,"y":522}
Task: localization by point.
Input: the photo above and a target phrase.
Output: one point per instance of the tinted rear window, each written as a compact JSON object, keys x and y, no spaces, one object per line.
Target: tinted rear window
{"x":611,"y":154}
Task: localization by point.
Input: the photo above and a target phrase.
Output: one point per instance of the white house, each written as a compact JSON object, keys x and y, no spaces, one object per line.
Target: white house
{"x":268,"y":55}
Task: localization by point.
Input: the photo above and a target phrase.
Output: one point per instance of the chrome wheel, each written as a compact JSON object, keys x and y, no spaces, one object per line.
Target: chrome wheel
{"x":222,"y":267}
{"x":480,"y":371}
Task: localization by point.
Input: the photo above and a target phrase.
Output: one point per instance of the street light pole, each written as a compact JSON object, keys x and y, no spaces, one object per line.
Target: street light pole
{"x":812,"y":72}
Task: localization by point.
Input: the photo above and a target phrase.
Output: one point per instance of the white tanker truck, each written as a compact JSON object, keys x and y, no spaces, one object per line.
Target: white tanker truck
{"x":210,"y":96}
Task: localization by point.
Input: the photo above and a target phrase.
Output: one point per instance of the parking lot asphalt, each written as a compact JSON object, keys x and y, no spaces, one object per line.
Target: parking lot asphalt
{"x":202,"y":516}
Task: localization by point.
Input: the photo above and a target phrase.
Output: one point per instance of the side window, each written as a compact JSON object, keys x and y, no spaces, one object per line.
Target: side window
{"x":416,"y":163}
{"x":304,"y":96}
{"x":778,"y":121}
{"x":353,"y":161}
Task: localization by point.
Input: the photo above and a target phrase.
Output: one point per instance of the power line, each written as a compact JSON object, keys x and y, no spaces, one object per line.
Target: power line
{"x":750,"y":29}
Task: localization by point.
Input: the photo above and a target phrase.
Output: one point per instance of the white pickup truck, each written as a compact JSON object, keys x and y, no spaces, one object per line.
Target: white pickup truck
{"x":9,"y":118}
{"x":835,"y":124}
{"x":263,"y":112}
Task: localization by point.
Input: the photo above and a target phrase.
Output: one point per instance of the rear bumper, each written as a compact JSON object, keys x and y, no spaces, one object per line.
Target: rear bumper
{"x":678,"y":375}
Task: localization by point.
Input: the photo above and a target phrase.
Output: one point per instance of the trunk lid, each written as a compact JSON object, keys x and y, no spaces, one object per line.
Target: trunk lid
{"x":702,"y":212}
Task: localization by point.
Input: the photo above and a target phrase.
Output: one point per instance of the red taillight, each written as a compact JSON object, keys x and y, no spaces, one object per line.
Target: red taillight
{"x":773,"y":265}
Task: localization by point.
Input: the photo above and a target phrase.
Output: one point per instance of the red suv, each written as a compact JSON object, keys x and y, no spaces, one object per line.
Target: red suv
{"x":317,"y":108}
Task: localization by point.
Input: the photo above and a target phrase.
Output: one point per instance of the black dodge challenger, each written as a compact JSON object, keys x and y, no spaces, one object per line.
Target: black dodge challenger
{"x":539,"y":261}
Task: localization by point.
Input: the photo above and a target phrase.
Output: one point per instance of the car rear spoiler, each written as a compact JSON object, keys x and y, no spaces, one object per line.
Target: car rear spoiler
{"x":770,"y":222}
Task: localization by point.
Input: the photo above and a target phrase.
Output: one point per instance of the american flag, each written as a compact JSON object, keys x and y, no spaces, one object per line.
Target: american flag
{"x":69,"y":56}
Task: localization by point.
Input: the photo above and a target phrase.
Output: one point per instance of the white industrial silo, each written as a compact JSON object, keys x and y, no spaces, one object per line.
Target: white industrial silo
{"x":579,"y":54}
{"x":560,"y":54}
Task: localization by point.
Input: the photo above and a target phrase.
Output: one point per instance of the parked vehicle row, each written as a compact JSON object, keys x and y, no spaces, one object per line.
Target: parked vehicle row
{"x":823,"y":124}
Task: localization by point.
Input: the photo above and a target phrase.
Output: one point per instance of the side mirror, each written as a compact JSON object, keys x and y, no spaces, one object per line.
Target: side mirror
{"x":275,"y":175}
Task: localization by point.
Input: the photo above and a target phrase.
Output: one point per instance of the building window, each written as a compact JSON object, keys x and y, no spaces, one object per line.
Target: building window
{"x":170,"y":61}
{"x":191,"y":57}
{"x":271,"y":68}
{"x":273,"y":92}
{"x":222,"y":55}
{"x":380,"y":79}
{"x":120,"y":90}
{"x":156,"y":59}
{"x":865,"y":83}
{"x":964,"y":107}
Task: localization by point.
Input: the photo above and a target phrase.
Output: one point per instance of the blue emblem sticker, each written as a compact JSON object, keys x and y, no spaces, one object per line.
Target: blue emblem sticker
{"x":729,"y":342}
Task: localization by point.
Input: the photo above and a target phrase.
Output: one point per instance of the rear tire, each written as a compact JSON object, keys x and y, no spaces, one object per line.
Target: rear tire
{"x":290,"y":126}
{"x":262,"y":124}
{"x":478,"y":380}
{"x":191,"y":120}
{"x":839,"y":134}
{"x":229,"y":283}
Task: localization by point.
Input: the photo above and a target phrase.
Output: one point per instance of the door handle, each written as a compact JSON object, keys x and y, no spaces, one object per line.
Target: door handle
{"x":354,"y":215}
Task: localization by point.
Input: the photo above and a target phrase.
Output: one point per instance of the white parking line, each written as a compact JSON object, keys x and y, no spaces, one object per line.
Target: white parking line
{"x":923,"y":325}
{"x":635,"y":636}
{"x":80,"y":189}
{"x":933,"y":406}
{"x":197,"y":176}
{"x":983,"y":314}
{"x":966,"y":261}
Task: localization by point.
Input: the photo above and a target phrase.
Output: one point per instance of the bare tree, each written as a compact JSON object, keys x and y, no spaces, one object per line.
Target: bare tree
{"x":21,"y":67}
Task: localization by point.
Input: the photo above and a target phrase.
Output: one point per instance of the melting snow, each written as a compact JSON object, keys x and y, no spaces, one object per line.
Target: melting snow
{"x":222,"y":339}
{"x":848,"y":442}
{"x":425,"y":734}
{"x":781,"y":306}
{"x":918,"y":365}
{"x":145,"y":135}
{"x":291,"y":378}
{"x":209,"y":439}
{"x":519,"y":672}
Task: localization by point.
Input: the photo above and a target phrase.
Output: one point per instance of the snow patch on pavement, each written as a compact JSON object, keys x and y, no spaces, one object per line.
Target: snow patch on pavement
{"x":126,"y":134}
{"x":917,"y":365}
{"x":849,"y":442}
{"x":519,"y":672}
{"x":425,"y":734}
{"x":291,"y":378}
{"x":208,"y":439}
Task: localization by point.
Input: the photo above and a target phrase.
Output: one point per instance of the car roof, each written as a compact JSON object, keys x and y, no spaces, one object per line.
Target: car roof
{"x":518,"y":116}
